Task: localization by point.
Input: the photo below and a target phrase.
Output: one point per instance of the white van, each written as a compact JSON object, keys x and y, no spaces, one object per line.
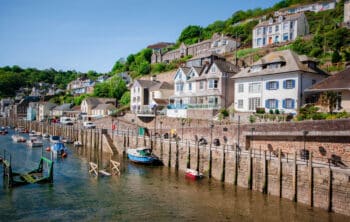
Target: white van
{"x":89,"y":125}
{"x":66,"y":120}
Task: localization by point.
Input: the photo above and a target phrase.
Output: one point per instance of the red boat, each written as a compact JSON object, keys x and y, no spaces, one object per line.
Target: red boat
{"x":193,"y":174}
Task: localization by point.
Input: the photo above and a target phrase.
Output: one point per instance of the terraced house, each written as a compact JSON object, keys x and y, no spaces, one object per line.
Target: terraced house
{"x":199,"y":92}
{"x":283,"y":28}
{"x":276,"y":81}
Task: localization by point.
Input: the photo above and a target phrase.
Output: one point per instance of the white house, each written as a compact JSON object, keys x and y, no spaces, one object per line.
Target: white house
{"x":314,"y":7}
{"x":281,"y":29}
{"x":276,"y":81}
{"x":90,"y":103}
{"x":45,"y":110}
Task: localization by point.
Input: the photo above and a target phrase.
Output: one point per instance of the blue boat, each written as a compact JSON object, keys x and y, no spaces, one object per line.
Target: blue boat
{"x":142,"y":155}
{"x":58,"y":149}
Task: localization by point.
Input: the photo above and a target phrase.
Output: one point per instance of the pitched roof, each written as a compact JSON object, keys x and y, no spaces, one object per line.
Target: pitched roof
{"x":161,"y":85}
{"x":160,"y":45}
{"x":276,"y":20}
{"x":146,"y":83}
{"x":63,"y":107}
{"x":104,"y":107}
{"x":293,"y":62}
{"x":227,"y":67}
{"x":336,"y":82}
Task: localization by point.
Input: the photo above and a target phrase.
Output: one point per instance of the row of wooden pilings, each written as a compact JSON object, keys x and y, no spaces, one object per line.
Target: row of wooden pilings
{"x":236,"y":154}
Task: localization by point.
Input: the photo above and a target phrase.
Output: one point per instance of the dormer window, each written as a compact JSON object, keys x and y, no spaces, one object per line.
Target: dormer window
{"x":256,"y":68}
{"x":223,"y":42}
{"x":280,"y":19}
{"x":213,"y":69}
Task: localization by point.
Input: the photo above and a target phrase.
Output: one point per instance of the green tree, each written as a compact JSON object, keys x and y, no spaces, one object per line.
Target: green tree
{"x":336,"y":57}
{"x":191,"y":34}
{"x":125,"y":99}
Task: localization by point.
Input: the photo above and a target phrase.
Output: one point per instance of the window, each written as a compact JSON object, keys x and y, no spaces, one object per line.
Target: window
{"x":213,"y":68}
{"x":289,"y":84}
{"x":277,"y":39}
{"x":254,"y":87}
{"x":277,"y":27}
{"x":285,"y":26}
{"x":258,"y":31}
{"x":213,"y":100}
{"x":224,"y":42}
{"x":288,"y":103}
{"x":259,"y":42}
{"x":240,"y":88}
{"x":271,"y":103}
{"x":240,"y":104}
{"x":313,"y":81}
{"x":254,"y":103}
{"x":134,"y":90}
{"x":190,"y":86}
{"x":291,"y":24}
{"x":179,"y":87}
{"x":138,"y":89}
{"x":213,"y":84}
{"x":285,"y":37}
{"x":273,"y":85}
{"x":270,"y":29}
{"x":201,"y":85}
{"x":153,"y":94}
{"x":291,"y":36}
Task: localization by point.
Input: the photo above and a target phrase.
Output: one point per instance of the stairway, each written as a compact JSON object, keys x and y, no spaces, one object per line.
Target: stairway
{"x":111,"y":144}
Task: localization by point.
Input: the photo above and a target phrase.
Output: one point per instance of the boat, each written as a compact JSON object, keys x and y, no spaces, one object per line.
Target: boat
{"x":67,"y":140}
{"x":142,"y":155}
{"x":77,"y":143}
{"x":35,"y":143}
{"x":58,"y":149}
{"x":55,"y":139}
{"x":193,"y":174}
{"x":18,"y":139}
{"x":3,"y":131}
{"x":46,"y":136}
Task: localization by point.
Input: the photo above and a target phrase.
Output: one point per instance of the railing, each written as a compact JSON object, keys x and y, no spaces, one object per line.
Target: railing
{"x":203,"y":106}
{"x":177,"y":106}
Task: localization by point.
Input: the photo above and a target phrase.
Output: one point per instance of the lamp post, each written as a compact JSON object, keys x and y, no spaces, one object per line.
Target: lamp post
{"x":251,"y":144}
{"x":210,"y":152}
{"x":160,"y":134}
{"x":182,"y":128}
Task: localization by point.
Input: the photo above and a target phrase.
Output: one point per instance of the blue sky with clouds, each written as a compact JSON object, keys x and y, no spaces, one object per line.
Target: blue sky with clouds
{"x":92,"y":34}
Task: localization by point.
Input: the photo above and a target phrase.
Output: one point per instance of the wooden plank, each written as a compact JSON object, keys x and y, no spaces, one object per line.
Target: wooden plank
{"x":28,"y":178}
{"x":104,"y":173}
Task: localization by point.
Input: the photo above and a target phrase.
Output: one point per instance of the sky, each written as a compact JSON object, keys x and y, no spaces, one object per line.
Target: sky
{"x":85,"y":35}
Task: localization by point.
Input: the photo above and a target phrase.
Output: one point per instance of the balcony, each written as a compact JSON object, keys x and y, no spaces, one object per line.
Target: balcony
{"x":204,"y":106}
{"x":177,"y":106}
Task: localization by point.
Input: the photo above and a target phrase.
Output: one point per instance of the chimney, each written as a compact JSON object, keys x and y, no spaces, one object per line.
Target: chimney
{"x":154,"y":78}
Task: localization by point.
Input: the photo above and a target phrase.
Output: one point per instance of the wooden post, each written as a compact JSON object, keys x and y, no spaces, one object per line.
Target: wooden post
{"x":177,"y":154}
{"x":311,"y":182}
{"x":266,"y":178}
{"x":188,"y":165}
{"x":169,"y":154}
{"x":279,"y":173}
{"x":198,"y":156}
{"x":161,"y":148}
{"x":330,"y":189}
{"x":250,"y":167}
{"x":235,"y":177}
{"x":295,"y":178}
{"x":223,"y":163}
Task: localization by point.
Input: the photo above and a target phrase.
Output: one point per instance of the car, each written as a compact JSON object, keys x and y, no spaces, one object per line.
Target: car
{"x":89,"y":125}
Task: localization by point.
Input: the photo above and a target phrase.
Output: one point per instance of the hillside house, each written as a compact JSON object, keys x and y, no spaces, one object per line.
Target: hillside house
{"x":45,"y":110}
{"x":276,"y":81}
{"x":91,"y":103}
{"x":281,"y":29}
{"x":61,"y":110}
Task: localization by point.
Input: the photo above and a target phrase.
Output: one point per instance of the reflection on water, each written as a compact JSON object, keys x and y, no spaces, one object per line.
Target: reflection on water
{"x":141,"y":193}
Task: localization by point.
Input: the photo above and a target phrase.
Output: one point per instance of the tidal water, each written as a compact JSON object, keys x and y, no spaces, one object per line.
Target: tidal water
{"x":141,"y":193}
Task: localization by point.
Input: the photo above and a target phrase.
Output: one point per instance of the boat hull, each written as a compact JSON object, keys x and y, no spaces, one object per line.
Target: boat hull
{"x":143,"y":160}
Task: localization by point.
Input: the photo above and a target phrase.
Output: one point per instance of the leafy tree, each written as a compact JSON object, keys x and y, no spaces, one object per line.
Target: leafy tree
{"x":329,"y":99}
{"x":336,"y":57}
{"x":125,"y":99}
{"x":191,"y":34}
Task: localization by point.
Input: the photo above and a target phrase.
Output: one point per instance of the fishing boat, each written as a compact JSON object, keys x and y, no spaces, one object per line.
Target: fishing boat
{"x":142,"y":155}
{"x":3,"y":131}
{"x":58,"y":149}
{"x":18,"y":139}
{"x":66,"y":140}
{"x":193,"y":174}
{"x":77,"y":143}
{"x":34,"y":142}
{"x":55,"y":139}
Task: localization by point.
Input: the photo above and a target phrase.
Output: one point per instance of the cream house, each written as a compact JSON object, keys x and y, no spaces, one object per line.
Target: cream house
{"x":103,"y":110}
{"x":45,"y":110}
{"x":91,"y":103}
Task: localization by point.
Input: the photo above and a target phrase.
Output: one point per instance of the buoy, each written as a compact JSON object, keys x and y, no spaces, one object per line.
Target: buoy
{"x":64,"y":154}
{"x":48,"y":148}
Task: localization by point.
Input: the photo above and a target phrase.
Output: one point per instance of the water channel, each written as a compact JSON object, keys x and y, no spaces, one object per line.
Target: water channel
{"x":140,"y":194}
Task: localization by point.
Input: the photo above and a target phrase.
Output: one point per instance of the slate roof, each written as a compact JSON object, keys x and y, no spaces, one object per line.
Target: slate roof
{"x":337,"y":82}
{"x":104,"y":107}
{"x":161,"y":85}
{"x":293,"y":62}
{"x":160,"y":45}
{"x":63,"y":107}
{"x":146,"y":83}
{"x":276,"y":21}
{"x":93,"y":101}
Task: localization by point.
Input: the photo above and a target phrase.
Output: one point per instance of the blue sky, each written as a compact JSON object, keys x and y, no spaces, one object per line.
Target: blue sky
{"x":92,"y":34}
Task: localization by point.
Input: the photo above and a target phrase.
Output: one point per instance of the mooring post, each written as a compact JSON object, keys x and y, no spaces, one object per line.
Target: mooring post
{"x":235,"y":177}
{"x":295,"y":178}
{"x":177,"y":153}
{"x":280,"y":173}
{"x":330,"y":188}
{"x":311,"y":182}
{"x":250,"y":168}
{"x":161,"y":147}
{"x":198,"y":156}
{"x":188,"y":165}
{"x":169,"y":154}
{"x":265,"y":183}
{"x":223,"y":163}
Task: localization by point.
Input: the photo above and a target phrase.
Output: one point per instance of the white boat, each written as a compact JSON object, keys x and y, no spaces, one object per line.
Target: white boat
{"x":77,"y":143}
{"x":18,"y":139}
{"x":46,"y":136}
{"x":34,"y":143}
{"x":193,"y":174}
{"x":67,"y":140}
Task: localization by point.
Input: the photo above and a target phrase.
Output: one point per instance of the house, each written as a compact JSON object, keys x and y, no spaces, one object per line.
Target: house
{"x":140,"y":95}
{"x":347,"y":13}
{"x":90,"y":103}
{"x":103,"y":110}
{"x":159,"y":49}
{"x":276,"y":81}
{"x":32,"y":111}
{"x":102,"y":78}
{"x":199,"y":92}
{"x":281,"y":29}
{"x":218,"y":44}
{"x":45,"y":110}
{"x":81,"y":86}
{"x":20,"y":108}
{"x":5,"y":104}
{"x":338,"y":83}
{"x":61,"y":110}
{"x":125,"y":76}
{"x":314,"y":7}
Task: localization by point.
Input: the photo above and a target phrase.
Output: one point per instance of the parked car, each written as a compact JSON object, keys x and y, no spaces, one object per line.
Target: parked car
{"x":89,"y":125}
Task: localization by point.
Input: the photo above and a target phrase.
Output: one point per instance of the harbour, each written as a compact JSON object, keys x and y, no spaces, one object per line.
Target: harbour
{"x":148,"y":193}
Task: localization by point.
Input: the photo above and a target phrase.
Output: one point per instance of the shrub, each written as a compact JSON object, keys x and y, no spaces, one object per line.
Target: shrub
{"x":224,"y":112}
{"x":277,"y":111}
{"x":252,"y":119}
{"x":260,"y":110}
{"x":271,"y":111}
